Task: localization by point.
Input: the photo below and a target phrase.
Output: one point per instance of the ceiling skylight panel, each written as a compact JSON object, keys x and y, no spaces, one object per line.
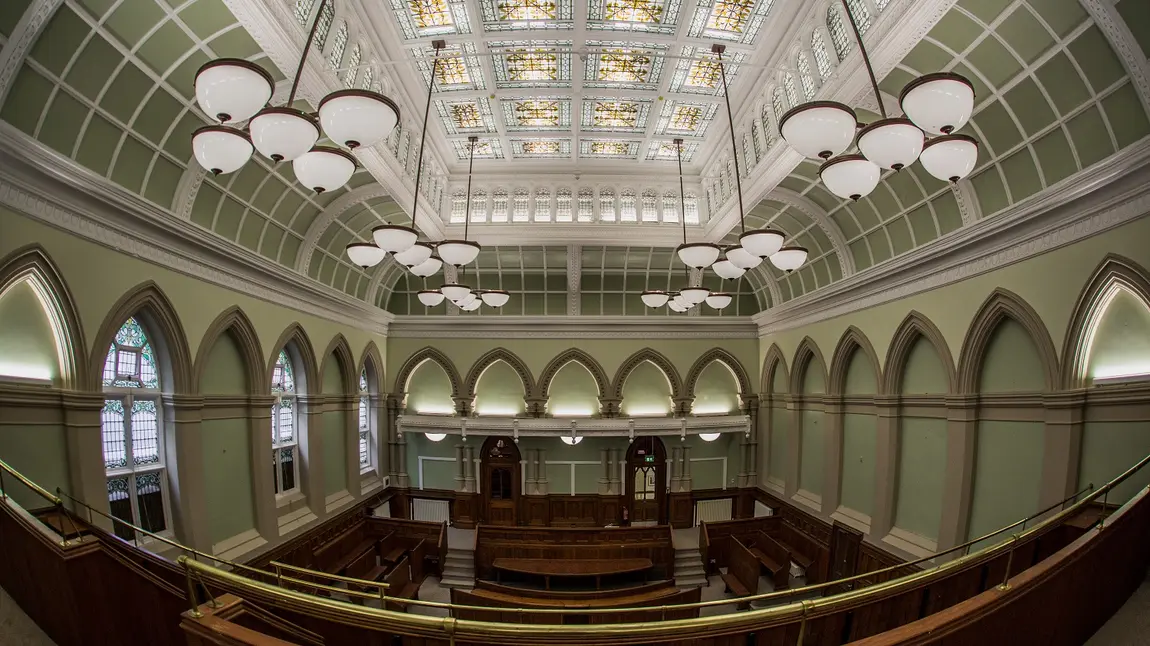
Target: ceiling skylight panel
{"x":608,"y":148}
{"x":697,"y":71}
{"x":612,"y":115}
{"x":484,"y":149}
{"x":685,"y":119}
{"x":537,"y":113}
{"x":470,"y":116}
{"x":541,"y":148}
{"x":520,"y":64}
{"x":424,"y":18}
{"x":515,"y":15}
{"x":733,"y":20}
{"x":666,"y":151}
{"x":635,"y":66}
{"x":640,"y":16}
{"x":458,"y":67}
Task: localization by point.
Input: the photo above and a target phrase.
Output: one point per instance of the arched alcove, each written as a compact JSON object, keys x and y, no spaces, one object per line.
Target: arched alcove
{"x":1120,"y":343}
{"x":780,"y":423}
{"x":336,"y":369}
{"x":573,"y":392}
{"x":812,"y":437}
{"x":716,"y":390}
{"x":858,"y":457}
{"x":921,"y":443}
{"x":646,"y":391}
{"x":499,"y":391}
{"x":429,"y":390}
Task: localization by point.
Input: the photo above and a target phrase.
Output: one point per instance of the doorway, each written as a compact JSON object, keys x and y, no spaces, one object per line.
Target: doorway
{"x":501,"y":478}
{"x":646,"y":479}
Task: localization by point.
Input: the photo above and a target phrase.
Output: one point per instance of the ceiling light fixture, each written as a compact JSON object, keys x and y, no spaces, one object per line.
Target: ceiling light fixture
{"x":699,"y":255}
{"x":726,"y":268}
{"x":231,"y":90}
{"x":719,"y":300}
{"x":417,"y":254}
{"x":762,"y":243}
{"x":462,"y":252}
{"x":365,"y":255}
{"x":655,"y":298}
{"x":430,"y":297}
{"x":936,"y":104}
{"x":495,"y":297}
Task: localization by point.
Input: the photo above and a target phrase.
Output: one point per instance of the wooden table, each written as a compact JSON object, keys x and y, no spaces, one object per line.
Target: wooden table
{"x":548,"y":568}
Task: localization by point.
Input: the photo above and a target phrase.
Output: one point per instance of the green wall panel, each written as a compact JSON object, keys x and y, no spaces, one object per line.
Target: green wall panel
{"x":858,"y":476}
{"x":1007,"y":474}
{"x":228,"y":492}
{"x":437,"y":474}
{"x":1108,"y":449}
{"x":780,"y":434}
{"x":429,"y":390}
{"x":334,"y":452}
{"x":646,"y":391}
{"x":224,"y":373}
{"x":860,"y":379}
{"x":499,"y":391}
{"x":921,"y":466}
{"x":27,"y":345}
{"x":716,"y":391}
{"x":923,"y":372}
{"x":1121,"y":343}
{"x":39,"y":452}
{"x":813,"y":452}
{"x":1011,"y":362}
{"x":573,"y":392}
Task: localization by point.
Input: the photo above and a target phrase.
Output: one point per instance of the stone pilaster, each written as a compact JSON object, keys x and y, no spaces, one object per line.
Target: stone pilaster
{"x":605,"y":474}
{"x":676,"y":469}
{"x":263,"y":480}
{"x":309,"y":428}
{"x":380,"y":447}
{"x":794,"y":445}
{"x":1065,"y":416}
{"x":469,"y":470}
{"x":184,"y":461}
{"x":958,"y":478}
{"x":541,"y":480}
{"x":402,"y":479}
{"x":885,"y":465}
{"x":84,"y":441}
{"x":460,"y":468}
{"x":685,"y":482}
{"x":751,"y":462}
{"x":833,"y":453}
{"x":616,"y":478}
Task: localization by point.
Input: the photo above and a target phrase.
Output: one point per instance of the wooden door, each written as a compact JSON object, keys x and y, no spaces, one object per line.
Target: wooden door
{"x":845,"y":545}
{"x":500,"y":484}
{"x":646,"y":480}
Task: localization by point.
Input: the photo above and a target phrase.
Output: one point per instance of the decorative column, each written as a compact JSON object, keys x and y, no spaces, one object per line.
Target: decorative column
{"x":84,"y":441}
{"x":381,"y":447}
{"x":393,"y":405}
{"x":764,"y":431}
{"x":541,"y":479}
{"x":609,"y":407}
{"x":348,"y":403}
{"x":605,"y":475}
{"x":311,"y":452}
{"x":794,"y":444}
{"x":460,"y":468}
{"x":259,"y":416}
{"x":751,"y":410}
{"x":1065,"y":414}
{"x":885,"y":464}
{"x":462,"y":405}
{"x":184,"y":461}
{"x":469,"y":470}
{"x":685,"y":479}
{"x":616,"y":468}
{"x":529,"y":472}
{"x":676,"y":469}
{"x":402,"y":479}
{"x":958,"y":479}
{"x":833,"y":408}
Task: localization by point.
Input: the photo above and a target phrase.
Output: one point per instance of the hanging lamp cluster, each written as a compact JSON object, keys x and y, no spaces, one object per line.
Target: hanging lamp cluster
{"x":939,"y":104}
{"x":754,"y":246}
{"x":232,"y":90}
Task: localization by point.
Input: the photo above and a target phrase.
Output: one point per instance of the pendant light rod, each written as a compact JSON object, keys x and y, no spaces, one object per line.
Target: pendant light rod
{"x":719,"y":49}
{"x":472,"y":141}
{"x":306,"y":50}
{"x":682,"y":191}
{"x":866,"y":58}
{"x":438,"y":45}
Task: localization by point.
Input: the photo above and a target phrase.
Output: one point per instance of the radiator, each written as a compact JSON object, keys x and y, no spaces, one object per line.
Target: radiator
{"x":437,"y":511}
{"x":713,"y":510}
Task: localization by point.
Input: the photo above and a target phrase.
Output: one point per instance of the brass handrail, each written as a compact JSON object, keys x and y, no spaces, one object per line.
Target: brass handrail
{"x":42,"y":492}
{"x":336,"y":577}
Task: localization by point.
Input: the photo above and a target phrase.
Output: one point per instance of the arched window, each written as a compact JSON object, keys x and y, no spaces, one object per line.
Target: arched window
{"x":691,"y":208}
{"x":789,"y":85}
{"x":325,"y":20}
{"x":586,"y":205}
{"x":542,"y":205}
{"x":755,"y":139}
{"x":748,"y":154}
{"x":338,"y":46}
{"x":768,"y":128}
{"x":838,"y":32}
{"x":805,"y":76}
{"x":364,"y":422}
{"x":303,"y":11}
{"x":777,"y":104}
{"x":607,"y":205}
{"x":881,"y":4}
{"x":520,"y":206}
{"x":479,"y":206}
{"x":627,"y":206}
{"x":822,"y":58}
{"x":861,"y":14}
{"x":285,"y":441}
{"x":670,"y":206}
{"x":367,"y":79}
{"x":353,"y":66}
{"x":499,"y":203}
{"x":132,"y":437}
{"x":458,"y":207}
{"x":563,"y":205}
{"x":650,"y":206}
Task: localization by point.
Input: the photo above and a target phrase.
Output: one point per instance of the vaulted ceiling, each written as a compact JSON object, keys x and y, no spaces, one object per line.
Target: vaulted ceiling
{"x":579,"y":209}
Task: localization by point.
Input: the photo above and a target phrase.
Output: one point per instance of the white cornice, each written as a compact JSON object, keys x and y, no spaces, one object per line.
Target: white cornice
{"x":59,"y":192}
{"x":572,"y":327}
{"x":568,"y":426}
{"x":1107,"y":196}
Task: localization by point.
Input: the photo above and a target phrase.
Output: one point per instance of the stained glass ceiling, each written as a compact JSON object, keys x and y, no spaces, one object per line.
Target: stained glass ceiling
{"x":565,"y":80}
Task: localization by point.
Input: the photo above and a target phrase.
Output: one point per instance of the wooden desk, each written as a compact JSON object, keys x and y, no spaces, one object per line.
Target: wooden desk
{"x":548,"y":568}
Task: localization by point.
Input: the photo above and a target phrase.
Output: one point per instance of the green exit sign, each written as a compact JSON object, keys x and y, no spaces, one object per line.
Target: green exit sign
{"x":649,"y":458}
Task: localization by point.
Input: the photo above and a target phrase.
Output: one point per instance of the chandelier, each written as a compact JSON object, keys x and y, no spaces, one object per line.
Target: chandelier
{"x":232,"y":90}
{"x":938,"y":104}
{"x":690,"y":296}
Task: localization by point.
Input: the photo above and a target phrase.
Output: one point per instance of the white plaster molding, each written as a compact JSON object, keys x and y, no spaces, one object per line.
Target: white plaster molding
{"x":1107,"y":196}
{"x":566,"y":426}
{"x":1109,"y":21}
{"x":807,"y":207}
{"x":56,"y":191}
{"x":574,"y":327}
{"x":329,"y":215}
{"x":187,"y":190}
{"x":574,"y":279}
{"x":651,"y":234}
{"x":766,"y":279}
{"x":20,"y":41}
{"x":967,"y":200}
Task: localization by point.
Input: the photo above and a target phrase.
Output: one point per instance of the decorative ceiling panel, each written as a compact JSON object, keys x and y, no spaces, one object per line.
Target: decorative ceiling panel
{"x":608,"y":148}
{"x":425,"y":18}
{"x":540,"y":148}
{"x":666,"y":151}
{"x":471,"y":116}
{"x":685,"y":119}
{"x":458,"y":67}
{"x":732,"y":20}
{"x":634,"y":16}
{"x":623,"y":65}
{"x":532,"y":63}
{"x":485,"y":148}
{"x":519,"y":15}
{"x":605,"y":114}
{"x":698,"y":72}
{"x":537,"y":113}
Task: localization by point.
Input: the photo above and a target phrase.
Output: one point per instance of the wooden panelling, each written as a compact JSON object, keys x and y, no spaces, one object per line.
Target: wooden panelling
{"x":610,"y":543}
{"x":574,"y":511}
{"x":325,"y":532}
{"x":465,"y":510}
{"x":536,"y":511}
{"x":681,"y":510}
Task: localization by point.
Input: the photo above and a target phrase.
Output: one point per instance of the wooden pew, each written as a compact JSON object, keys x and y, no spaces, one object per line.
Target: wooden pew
{"x":517,"y":608}
{"x":654,"y":543}
{"x":576,"y":595}
{"x":400,"y":585}
{"x":804,"y":549}
{"x":742,"y":575}
{"x":773,"y":558}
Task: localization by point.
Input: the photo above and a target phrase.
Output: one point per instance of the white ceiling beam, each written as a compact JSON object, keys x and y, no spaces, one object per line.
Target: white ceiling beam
{"x":20,"y":41}
{"x":819,"y":216}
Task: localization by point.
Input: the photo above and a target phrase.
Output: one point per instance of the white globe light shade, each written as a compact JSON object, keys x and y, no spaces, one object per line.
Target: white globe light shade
{"x":455,"y":291}
{"x":655,"y":298}
{"x":850,"y":176}
{"x":435,"y":437}
{"x":365,"y":255}
{"x":282,"y":134}
{"x":699,"y":255}
{"x":727,"y":269}
{"x":761,"y":242}
{"x":681,"y":300}
{"x":427,"y":268}
{"x":471,"y":305}
{"x":950,"y":157}
{"x":709,"y":437}
{"x":416,"y":254}
{"x":789,"y":258}
{"x":357,"y":118}
{"x":469,"y":298}
{"x":430,"y":297}
{"x":675,"y":306}
{"x":232,"y":89}
{"x":324,"y":168}
{"x":495,"y":297}
{"x":939,"y":103}
{"x":571,"y":441}
{"x":394,"y":238}
{"x":744,"y":259}
{"x":719,"y":300}
{"x":891,"y":143}
{"x":221,"y":149}
{"x":458,"y":252}
{"x":820,"y":129}
{"x":695,"y":295}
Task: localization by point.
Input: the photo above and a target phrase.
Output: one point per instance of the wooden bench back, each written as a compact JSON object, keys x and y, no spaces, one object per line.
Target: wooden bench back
{"x":773,"y":550}
{"x":418,"y":558}
{"x":335,"y":549}
{"x":653,"y":543}
{"x":718,"y":536}
{"x":581,"y":595}
{"x":743,"y":566}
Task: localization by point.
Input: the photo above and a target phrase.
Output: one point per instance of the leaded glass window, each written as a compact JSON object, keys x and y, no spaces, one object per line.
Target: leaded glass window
{"x":806,"y":77}
{"x":650,"y":206}
{"x":458,"y":207}
{"x":542,"y":205}
{"x":607,"y":205}
{"x":789,"y":86}
{"x":670,"y":207}
{"x":325,"y":19}
{"x":755,"y":140}
{"x":777,"y":104}
{"x":479,"y":206}
{"x":131,"y":434}
{"x":627,"y":206}
{"x":748,"y":154}
{"x":822,"y":58}
{"x":563,"y":205}
{"x":861,"y":14}
{"x":364,"y":421}
{"x":303,"y":11}
{"x":367,"y":79}
{"x":352,"y":66}
{"x":520,"y":205}
{"x":499,"y":203}
{"x":691,"y":208}
{"x":586,"y":205}
{"x":768,"y":128}
{"x":838,"y":32}
{"x":285,"y":440}
{"x":881,"y":4}
{"x":337,"y":46}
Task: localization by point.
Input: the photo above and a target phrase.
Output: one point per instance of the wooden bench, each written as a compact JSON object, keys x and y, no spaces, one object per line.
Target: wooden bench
{"x":609,"y":593}
{"x":572,"y":568}
{"x":803,"y":548}
{"x":341,"y":564}
{"x":742,"y":575}
{"x":773,"y":558}
{"x":400,"y":586}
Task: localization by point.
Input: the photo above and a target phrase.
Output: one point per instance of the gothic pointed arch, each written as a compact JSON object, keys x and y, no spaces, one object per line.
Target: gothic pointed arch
{"x":1003,"y":304}
{"x":372,"y":361}
{"x":655,"y":357}
{"x":567,"y":356}
{"x":1112,"y":274}
{"x":853,"y":339}
{"x":296,"y":338}
{"x":808,"y":356}
{"x":339,"y":350}
{"x":724,"y":357}
{"x":772,"y":364}
{"x":33,"y":264}
{"x":233,"y":321}
{"x":915,"y":325}
{"x":417,"y":359}
{"x":506,"y":356}
{"x":155,"y":312}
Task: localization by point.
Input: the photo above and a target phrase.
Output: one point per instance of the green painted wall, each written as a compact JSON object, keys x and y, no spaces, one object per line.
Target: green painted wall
{"x":1007,"y":474}
{"x":499,"y":391}
{"x":646,"y":392}
{"x":780,"y":438}
{"x":437,"y":474}
{"x":429,"y":390}
{"x":1121,"y":344}
{"x":921,"y":466}
{"x":1110,"y":448}
{"x":1011,"y":362}
{"x":858,"y":477}
{"x":40,"y":452}
{"x":27,"y":345}
{"x":573,"y":392}
{"x":924,"y":373}
{"x":227,"y":451}
{"x":224,"y":372}
{"x":813,"y":432}
{"x":716,"y":391}
{"x":335,"y":432}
